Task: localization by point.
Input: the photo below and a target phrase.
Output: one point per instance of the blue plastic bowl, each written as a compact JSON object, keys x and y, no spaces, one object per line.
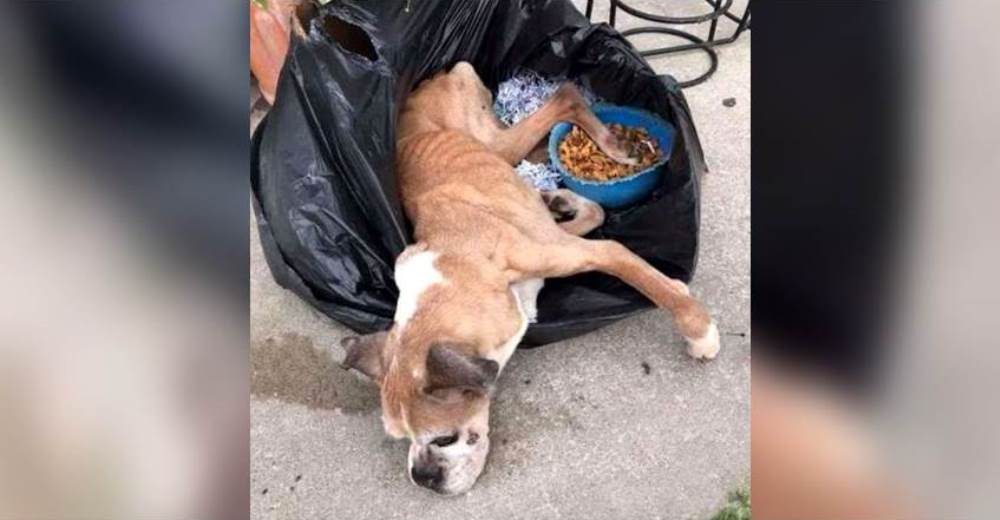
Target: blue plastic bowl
{"x":621,"y":192}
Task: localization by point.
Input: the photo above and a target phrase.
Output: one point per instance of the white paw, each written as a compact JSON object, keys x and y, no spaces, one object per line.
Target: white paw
{"x":707,"y":346}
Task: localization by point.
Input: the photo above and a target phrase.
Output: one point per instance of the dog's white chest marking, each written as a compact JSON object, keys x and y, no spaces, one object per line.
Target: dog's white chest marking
{"x":525,"y":293}
{"x":414,"y":275}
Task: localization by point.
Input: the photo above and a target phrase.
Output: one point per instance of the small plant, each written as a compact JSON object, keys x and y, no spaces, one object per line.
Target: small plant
{"x":738,"y":507}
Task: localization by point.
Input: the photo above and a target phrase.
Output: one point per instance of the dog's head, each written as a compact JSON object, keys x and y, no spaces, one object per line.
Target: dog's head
{"x":439,"y":398}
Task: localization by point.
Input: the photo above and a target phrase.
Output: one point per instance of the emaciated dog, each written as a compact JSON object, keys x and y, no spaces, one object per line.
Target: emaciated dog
{"x":485,"y":242}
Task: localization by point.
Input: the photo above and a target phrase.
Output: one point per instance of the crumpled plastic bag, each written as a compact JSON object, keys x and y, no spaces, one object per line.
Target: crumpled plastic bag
{"x":324,"y":190}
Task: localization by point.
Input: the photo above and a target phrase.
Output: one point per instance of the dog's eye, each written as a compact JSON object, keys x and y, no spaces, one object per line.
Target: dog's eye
{"x":445,"y":441}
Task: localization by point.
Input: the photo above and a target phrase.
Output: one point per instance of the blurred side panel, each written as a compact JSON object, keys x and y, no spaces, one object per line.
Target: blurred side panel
{"x":875,"y":246}
{"x":123,"y":346}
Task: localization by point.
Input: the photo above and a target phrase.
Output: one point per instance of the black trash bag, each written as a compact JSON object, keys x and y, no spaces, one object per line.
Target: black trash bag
{"x":324,"y":190}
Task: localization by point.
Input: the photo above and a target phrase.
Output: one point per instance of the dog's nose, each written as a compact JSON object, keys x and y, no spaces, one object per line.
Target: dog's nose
{"x":428,"y":477}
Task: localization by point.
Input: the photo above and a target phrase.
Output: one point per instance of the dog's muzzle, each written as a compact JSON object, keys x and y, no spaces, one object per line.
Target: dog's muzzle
{"x":430,"y":477}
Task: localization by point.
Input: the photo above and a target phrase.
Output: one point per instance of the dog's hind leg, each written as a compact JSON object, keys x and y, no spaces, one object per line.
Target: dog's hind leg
{"x":573,"y":255}
{"x":576,"y":215}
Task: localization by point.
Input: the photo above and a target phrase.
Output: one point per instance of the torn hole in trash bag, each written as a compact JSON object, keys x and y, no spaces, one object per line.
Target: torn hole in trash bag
{"x":305,"y":12}
{"x":349,"y":37}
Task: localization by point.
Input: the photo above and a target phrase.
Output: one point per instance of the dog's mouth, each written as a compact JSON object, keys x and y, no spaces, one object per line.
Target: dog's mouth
{"x":445,"y":473}
{"x":435,"y":480}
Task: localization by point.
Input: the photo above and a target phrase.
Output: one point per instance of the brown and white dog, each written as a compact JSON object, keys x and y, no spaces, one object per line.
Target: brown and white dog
{"x":485,"y":243}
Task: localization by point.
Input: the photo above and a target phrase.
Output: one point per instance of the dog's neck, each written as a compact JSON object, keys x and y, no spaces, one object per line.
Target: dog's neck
{"x":413,"y":122}
{"x":450,"y":297}
{"x":447,"y":297}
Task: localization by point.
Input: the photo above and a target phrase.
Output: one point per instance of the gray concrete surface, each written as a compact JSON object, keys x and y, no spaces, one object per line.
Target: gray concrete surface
{"x":579,"y":429}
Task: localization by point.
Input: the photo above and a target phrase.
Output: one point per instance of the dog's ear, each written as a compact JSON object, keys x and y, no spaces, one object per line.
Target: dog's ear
{"x":449,"y":367}
{"x":364,"y":353}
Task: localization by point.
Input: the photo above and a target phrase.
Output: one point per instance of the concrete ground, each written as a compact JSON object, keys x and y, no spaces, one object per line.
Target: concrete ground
{"x":616,"y":424}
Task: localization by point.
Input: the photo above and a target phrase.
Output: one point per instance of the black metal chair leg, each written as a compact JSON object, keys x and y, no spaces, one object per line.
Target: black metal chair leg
{"x":715,"y":21}
{"x":720,"y":8}
{"x":696,"y":43}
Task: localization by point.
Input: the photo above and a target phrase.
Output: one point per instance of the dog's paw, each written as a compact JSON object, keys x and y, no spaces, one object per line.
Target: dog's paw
{"x":615,"y":148}
{"x":560,"y":208}
{"x":706,"y":347}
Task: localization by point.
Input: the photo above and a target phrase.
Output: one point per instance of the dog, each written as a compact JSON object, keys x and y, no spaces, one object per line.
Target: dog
{"x":485,"y":242}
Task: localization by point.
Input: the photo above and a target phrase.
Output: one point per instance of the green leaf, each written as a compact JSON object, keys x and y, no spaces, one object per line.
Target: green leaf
{"x":260,"y":3}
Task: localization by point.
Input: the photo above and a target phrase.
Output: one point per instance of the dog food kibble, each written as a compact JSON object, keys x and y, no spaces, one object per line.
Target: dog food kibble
{"x":581,"y":156}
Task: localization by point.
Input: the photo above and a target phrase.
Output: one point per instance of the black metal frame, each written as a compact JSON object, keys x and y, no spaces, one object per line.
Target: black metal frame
{"x":720,"y":8}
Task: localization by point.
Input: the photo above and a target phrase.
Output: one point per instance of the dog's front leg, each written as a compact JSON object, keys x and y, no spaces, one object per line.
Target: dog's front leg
{"x":574,"y":255}
{"x":567,"y":104}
